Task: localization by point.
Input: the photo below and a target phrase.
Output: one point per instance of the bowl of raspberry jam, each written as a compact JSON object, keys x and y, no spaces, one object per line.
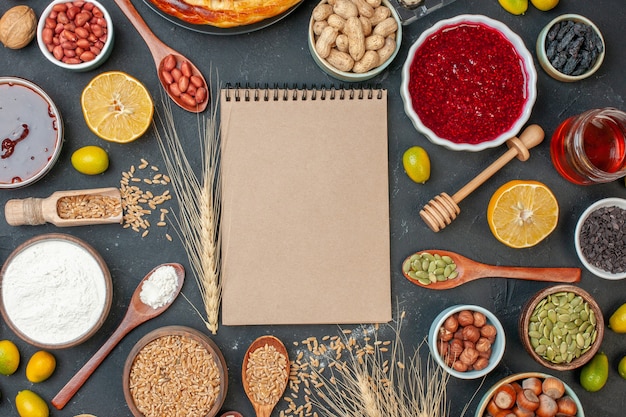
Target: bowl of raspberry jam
{"x":469,"y":83}
{"x":31,"y":133}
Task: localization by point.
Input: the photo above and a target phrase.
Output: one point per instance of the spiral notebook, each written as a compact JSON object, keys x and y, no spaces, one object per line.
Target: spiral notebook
{"x":305,"y":206}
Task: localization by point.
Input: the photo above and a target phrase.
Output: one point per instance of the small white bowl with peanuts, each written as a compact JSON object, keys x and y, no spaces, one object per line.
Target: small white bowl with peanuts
{"x":354,"y":41}
{"x":75,"y":35}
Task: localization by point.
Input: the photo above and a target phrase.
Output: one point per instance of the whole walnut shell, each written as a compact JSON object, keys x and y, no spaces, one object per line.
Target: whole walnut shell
{"x":18,"y":26}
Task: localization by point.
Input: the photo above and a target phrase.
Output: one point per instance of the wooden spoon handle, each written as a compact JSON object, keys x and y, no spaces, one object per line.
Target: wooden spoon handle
{"x":77,"y":381}
{"x":531,"y":274}
{"x":156,"y":46}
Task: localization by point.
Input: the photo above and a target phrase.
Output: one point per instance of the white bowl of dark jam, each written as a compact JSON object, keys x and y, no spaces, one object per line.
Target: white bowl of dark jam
{"x":31,"y":132}
{"x":469,"y":83}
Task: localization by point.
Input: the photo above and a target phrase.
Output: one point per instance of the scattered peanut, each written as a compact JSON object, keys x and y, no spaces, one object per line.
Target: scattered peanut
{"x":354,"y":35}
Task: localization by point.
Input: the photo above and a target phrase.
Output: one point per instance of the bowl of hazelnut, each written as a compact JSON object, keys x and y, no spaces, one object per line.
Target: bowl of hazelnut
{"x":354,"y":43}
{"x":530,"y":394}
{"x":77,"y":36}
{"x":467,"y":341}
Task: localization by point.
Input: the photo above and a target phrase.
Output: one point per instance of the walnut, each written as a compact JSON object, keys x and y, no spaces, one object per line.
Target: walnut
{"x":17,"y":27}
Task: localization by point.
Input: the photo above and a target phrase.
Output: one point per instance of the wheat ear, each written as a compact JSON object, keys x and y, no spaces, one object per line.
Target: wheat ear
{"x":199,"y":205}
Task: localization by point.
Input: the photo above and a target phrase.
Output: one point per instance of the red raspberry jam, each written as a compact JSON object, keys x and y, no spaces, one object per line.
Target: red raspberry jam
{"x":467,"y":83}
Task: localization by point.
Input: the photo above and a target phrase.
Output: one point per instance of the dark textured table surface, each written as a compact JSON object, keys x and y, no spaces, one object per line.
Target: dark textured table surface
{"x":279,"y":54}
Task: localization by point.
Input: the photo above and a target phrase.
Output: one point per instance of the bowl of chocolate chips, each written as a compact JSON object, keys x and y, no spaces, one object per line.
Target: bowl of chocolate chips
{"x":600,"y":238}
{"x":570,"y":48}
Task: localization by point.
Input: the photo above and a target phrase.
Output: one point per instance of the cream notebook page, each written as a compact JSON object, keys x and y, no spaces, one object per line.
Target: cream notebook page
{"x":305,"y":207}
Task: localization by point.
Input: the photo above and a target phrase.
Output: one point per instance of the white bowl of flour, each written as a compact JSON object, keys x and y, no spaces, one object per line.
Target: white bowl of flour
{"x":56,"y":291}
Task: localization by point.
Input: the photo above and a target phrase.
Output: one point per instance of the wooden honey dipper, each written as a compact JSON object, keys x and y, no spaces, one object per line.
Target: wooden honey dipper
{"x":442,"y":209}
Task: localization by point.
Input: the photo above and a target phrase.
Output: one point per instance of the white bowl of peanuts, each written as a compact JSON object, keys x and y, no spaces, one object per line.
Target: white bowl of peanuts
{"x":75,"y":35}
{"x":354,"y":43}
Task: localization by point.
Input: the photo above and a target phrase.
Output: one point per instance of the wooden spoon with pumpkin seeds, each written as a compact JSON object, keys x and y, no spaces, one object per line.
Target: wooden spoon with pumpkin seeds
{"x":440,"y":270}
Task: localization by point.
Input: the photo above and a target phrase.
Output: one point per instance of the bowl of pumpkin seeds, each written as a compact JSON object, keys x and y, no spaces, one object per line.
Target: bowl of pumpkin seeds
{"x":561,"y":327}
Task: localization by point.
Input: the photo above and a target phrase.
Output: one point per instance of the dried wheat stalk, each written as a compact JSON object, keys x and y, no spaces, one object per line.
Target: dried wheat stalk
{"x":199,"y":205}
{"x":382,"y":384}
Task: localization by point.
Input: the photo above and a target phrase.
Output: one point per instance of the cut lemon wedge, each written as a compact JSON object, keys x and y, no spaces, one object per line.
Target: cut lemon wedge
{"x":522,"y":213}
{"x":117,"y":107}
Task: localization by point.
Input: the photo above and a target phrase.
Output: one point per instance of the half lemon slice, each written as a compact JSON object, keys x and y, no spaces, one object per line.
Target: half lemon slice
{"x":522,"y":213}
{"x":117,"y":107}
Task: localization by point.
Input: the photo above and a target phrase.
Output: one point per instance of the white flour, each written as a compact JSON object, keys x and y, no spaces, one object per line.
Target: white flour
{"x":159,"y":289}
{"x":54,"y":291}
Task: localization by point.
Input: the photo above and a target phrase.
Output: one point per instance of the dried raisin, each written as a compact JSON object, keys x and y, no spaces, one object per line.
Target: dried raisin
{"x":573,"y":48}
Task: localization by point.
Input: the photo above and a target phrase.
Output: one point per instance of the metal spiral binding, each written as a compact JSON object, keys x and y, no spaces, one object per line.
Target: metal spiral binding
{"x":302,"y":93}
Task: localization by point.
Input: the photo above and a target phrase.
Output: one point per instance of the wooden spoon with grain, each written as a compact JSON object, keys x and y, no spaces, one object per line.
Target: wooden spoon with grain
{"x":470,"y":270}
{"x":266,"y":352}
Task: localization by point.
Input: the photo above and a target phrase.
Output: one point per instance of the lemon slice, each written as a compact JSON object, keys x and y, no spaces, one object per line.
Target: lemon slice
{"x":117,"y":107}
{"x":522,"y":213}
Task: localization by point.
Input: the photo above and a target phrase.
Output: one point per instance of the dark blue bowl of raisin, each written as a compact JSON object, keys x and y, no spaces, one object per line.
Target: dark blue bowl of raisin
{"x":600,"y":238}
{"x":570,"y":48}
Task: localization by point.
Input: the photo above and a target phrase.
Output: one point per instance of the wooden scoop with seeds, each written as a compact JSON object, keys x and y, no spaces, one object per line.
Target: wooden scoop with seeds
{"x":266,"y":356}
{"x":67,"y":208}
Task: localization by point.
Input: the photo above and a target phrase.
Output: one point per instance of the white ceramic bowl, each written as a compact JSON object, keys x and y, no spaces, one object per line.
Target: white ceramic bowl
{"x":27,"y":109}
{"x":83,"y":66}
{"x":607,"y":202}
{"x":481,"y":410}
{"x":545,"y":62}
{"x":67,"y":296}
{"x":497,"y":348}
{"x":530,"y":75}
{"x":348,"y":75}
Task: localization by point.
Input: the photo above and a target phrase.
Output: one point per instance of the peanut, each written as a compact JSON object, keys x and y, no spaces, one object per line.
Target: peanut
{"x":386,"y":27}
{"x":380,"y":14}
{"x":368,"y":62}
{"x":356,"y":38}
{"x":319,"y":26}
{"x":341,"y":43}
{"x":366,"y":25}
{"x":322,"y":11}
{"x":325,"y":41}
{"x":374,"y":42}
{"x":386,"y":51}
{"x":364,"y":8}
{"x":340,"y":60}
{"x":345,"y":9}
{"x":336,"y":21}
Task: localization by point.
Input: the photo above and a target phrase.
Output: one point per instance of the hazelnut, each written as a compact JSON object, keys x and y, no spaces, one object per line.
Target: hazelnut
{"x":456,"y":347}
{"x":483,"y":345}
{"x":17,"y":27}
{"x":465,"y":318}
{"x":489,"y":332}
{"x":471,"y":333}
{"x":480,"y":364}
{"x":479,"y":319}
{"x":445,"y":335}
{"x":451,"y":324}
{"x":469,"y":356}
{"x":459,"y":366}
